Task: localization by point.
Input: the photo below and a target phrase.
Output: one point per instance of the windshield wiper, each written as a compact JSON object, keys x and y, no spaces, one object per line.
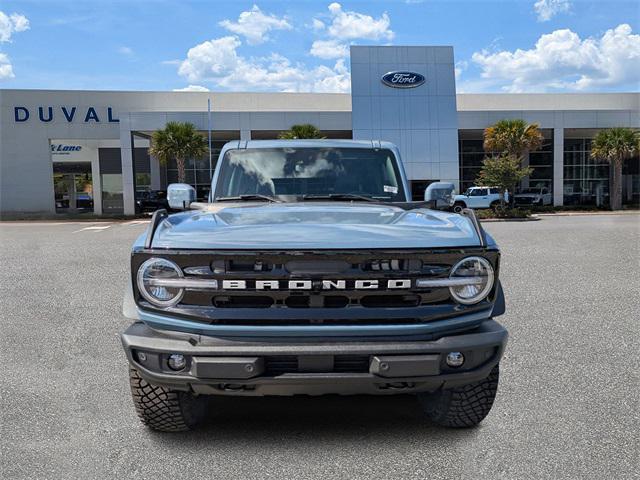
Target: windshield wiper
{"x":248,"y":197}
{"x":339,"y":196}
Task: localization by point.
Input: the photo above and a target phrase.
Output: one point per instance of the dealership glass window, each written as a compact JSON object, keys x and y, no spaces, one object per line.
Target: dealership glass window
{"x":542,"y":163}
{"x":112,"y":200}
{"x":142,"y":168}
{"x":197,"y":171}
{"x":586,"y":180}
{"x":471,"y":152}
{"x":73,"y":187}
{"x":471,"y":156}
{"x":111,"y":180}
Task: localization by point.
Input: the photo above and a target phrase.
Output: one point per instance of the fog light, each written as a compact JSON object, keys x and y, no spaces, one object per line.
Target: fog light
{"x":142,"y":356}
{"x":455,"y":359}
{"x":177,"y":361}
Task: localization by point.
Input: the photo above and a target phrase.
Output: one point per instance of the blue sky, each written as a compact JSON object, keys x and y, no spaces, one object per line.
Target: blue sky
{"x":500,"y":46}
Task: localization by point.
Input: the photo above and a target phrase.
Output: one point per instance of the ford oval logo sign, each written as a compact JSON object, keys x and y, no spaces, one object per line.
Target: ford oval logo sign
{"x":403,"y":79}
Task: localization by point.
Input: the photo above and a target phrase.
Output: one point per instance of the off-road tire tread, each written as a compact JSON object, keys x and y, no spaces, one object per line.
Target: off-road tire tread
{"x":160,"y":408}
{"x":464,"y":406}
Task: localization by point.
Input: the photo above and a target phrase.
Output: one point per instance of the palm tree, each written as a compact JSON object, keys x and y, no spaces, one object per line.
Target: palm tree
{"x":179,"y":141}
{"x":615,"y":145}
{"x":513,"y":137}
{"x":304,"y":130}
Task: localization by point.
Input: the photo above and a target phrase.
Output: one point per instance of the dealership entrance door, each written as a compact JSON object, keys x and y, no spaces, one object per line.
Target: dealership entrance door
{"x":73,"y":187}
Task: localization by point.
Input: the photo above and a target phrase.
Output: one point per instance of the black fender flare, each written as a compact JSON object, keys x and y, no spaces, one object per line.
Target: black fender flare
{"x":499,"y":306}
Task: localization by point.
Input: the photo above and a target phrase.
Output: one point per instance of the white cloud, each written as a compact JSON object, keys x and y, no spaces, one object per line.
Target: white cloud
{"x":254,"y":25}
{"x":218,"y":61}
{"x":547,"y":9}
{"x":192,"y":88}
{"x":460,"y":67}
{"x":561,"y":60}
{"x":6,"y":70}
{"x":347,"y":25}
{"x":329,"y":49}
{"x":127,"y":51}
{"x":211,"y":59}
{"x":10,"y":24}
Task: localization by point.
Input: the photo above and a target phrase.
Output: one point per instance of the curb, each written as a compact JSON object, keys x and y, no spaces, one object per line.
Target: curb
{"x":491,"y":220}
{"x":577,"y":214}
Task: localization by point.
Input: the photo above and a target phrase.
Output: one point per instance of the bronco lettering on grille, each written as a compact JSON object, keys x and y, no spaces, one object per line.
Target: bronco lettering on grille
{"x":372,"y":284}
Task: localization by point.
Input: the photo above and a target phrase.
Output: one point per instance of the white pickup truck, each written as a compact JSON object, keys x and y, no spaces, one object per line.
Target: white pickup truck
{"x":478,"y":197}
{"x":533,"y":196}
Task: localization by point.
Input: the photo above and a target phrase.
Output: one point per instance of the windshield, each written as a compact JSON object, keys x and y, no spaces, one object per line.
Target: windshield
{"x":298,"y":172}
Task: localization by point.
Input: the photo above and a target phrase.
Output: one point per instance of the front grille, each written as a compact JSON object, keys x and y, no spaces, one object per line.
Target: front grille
{"x":279,"y":365}
{"x":329,"y":296}
{"x":317,"y":268}
{"x":256,"y":301}
{"x":390,"y":301}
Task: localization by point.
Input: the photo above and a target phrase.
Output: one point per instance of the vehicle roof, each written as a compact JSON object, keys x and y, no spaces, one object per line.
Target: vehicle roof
{"x":309,"y":143}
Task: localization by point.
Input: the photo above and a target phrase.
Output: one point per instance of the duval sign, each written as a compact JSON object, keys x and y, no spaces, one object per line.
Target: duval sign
{"x":403,"y":79}
{"x":69,"y":114}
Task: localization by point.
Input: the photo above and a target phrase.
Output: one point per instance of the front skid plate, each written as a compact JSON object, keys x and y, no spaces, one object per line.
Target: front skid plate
{"x":140,"y":337}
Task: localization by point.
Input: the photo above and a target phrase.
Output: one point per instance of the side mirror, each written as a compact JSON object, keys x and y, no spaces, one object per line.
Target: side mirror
{"x":180,"y":196}
{"x":440,"y":194}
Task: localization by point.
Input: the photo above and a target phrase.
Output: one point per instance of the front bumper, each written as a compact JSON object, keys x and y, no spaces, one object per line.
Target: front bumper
{"x":312,"y":366}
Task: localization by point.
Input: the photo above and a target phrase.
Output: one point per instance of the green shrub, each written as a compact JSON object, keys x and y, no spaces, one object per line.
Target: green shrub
{"x":506,"y":213}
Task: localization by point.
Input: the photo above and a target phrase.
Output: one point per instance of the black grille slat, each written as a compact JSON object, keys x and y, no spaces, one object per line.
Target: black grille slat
{"x":351,"y":363}
{"x":279,"y":365}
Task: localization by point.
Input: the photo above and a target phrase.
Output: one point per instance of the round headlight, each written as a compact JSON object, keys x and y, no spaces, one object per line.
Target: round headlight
{"x":479,"y":272}
{"x":152,"y":277}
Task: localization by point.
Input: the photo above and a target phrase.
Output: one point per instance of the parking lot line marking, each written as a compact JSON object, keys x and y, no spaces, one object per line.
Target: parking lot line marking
{"x":137,"y":222}
{"x":94,"y":228}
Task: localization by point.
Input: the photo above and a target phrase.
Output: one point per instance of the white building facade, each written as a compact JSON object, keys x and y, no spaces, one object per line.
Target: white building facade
{"x":86,"y":151}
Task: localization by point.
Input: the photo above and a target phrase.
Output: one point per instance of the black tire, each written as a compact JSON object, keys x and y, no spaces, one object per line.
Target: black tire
{"x":464,"y":406}
{"x":458,"y":206}
{"x":494,"y":205}
{"x":162,"y":409}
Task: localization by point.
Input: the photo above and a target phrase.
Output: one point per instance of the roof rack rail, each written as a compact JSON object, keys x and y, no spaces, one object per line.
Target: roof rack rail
{"x":468,"y":212}
{"x":156,"y":218}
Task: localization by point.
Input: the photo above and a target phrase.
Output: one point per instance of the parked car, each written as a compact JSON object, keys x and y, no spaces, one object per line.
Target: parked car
{"x":478,"y":197}
{"x":151,"y":200}
{"x":311,"y":272}
{"x":533,"y":196}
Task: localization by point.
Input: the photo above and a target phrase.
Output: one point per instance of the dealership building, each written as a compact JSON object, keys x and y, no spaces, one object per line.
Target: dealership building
{"x":86,"y":151}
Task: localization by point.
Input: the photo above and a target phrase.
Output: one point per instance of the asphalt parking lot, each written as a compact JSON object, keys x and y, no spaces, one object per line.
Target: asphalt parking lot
{"x":567,"y":407}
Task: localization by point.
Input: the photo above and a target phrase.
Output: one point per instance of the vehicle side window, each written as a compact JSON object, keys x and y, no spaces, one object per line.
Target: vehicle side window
{"x":544,"y":191}
{"x":494,"y":191}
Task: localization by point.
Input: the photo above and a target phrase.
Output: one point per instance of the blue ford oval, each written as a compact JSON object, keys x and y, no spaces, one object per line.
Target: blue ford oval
{"x":403,"y":79}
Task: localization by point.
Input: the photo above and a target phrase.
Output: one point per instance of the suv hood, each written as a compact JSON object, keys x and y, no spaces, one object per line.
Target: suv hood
{"x":313,"y":225}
